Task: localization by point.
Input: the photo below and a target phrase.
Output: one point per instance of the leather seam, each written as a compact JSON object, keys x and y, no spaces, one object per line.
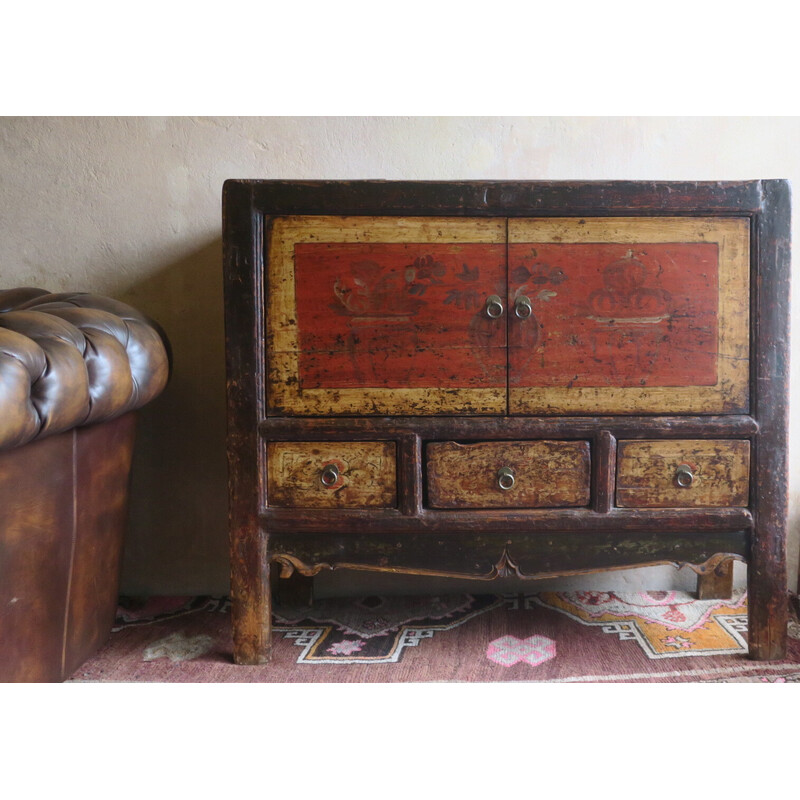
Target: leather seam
{"x":74,"y":536}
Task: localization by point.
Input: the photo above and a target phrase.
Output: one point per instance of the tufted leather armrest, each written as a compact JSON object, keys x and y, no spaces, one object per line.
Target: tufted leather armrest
{"x":73,"y":359}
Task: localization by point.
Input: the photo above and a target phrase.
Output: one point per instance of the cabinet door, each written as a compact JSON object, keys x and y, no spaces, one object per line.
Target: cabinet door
{"x":386,"y":315}
{"x":628,"y":315}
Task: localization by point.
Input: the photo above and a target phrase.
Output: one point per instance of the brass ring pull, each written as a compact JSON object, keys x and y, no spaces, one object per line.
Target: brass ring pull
{"x":506,"y":478}
{"x":329,"y":475}
{"x":684,"y":476}
{"x":522,"y":307}
{"x":494,"y":306}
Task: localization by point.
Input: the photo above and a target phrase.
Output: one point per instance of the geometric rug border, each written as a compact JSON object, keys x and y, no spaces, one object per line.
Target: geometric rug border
{"x":630,"y":630}
{"x":313,"y":637}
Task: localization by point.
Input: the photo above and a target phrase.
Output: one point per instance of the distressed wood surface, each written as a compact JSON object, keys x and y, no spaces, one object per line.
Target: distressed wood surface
{"x":367,"y":474}
{"x":386,"y":315}
{"x":616,"y":314}
{"x":766,"y":576}
{"x":646,"y":473}
{"x":505,"y":198}
{"x":245,"y":355}
{"x":716,"y":583}
{"x":604,"y":470}
{"x":489,"y":555}
{"x":531,"y":521}
{"x":630,"y":315}
{"x":508,"y":428}
{"x":569,"y":541}
{"x":409,"y":473}
{"x":547,"y":474}
{"x":399,"y":315}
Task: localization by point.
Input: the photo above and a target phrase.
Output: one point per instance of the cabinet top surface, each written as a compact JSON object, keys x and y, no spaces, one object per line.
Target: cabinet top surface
{"x":484,"y":197}
{"x":498,"y":182}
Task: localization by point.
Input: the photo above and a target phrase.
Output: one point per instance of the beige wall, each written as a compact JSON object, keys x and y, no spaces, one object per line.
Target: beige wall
{"x":130,"y":207}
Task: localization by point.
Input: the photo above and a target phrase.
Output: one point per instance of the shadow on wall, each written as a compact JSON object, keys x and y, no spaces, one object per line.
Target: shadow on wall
{"x":177,"y":535}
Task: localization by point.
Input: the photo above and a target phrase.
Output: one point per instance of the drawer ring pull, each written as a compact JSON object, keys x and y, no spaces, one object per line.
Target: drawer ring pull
{"x":494,"y":306}
{"x":506,"y":478}
{"x":684,"y":476}
{"x":522,"y":307}
{"x":329,"y":475}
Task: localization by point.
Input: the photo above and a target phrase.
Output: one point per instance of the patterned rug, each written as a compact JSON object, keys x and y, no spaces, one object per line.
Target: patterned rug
{"x":545,"y":637}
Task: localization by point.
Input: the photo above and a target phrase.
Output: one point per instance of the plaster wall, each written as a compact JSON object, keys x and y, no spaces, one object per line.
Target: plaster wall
{"x":130,"y":207}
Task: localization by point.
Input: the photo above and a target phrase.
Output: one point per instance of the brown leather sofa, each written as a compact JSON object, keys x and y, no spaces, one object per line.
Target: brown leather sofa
{"x":73,"y":370}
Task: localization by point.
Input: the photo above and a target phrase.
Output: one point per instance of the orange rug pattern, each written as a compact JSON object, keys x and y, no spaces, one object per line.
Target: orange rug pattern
{"x":663,"y":624}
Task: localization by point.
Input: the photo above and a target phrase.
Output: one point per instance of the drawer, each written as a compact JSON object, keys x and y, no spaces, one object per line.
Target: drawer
{"x":540,"y":474}
{"x":683,"y":473}
{"x":332,"y":474}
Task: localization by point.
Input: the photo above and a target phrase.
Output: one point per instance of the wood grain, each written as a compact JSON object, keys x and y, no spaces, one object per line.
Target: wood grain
{"x":509,"y":428}
{"x":604,"y":470}
{"x":245,"y":356}
{"x":716,"y":583}
{"x":766,"y":574}
{"x":646,"y":473}
{"x":477,"y":555}
{"x":548,"y":474}
{"x":453,"y":523}
{"x":367,"y":474}
{"x":504,"y":198}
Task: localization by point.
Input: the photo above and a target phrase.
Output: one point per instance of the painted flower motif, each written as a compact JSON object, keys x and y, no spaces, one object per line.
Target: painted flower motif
{"x":424,"y":272}
{"x":346,"y":647}
{"x":678,"y":642}
{"x":539,"y":273}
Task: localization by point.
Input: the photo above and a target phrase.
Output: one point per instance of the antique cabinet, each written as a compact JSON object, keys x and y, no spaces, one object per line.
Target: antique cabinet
{"x":479,"y":379}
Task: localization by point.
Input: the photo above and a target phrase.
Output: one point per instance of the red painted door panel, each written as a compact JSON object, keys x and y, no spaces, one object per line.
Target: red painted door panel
{"x":621,"y":315}
{"x":399,"y":315}
{"x":614,"y":315}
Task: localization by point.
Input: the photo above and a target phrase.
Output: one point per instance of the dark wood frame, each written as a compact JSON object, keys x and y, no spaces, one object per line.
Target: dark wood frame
{"x":496,"y":543}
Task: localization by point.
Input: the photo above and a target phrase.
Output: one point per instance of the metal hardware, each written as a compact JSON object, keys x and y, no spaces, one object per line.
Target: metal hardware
{"x":522,"y":307}
{"x":506,"y":478}
{"x":494,"y":306}
{"x":684,"y":476}
{"x":329,"y":475}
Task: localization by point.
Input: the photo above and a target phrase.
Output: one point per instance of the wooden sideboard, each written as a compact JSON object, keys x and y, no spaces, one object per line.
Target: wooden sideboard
{"x":483,"y":379}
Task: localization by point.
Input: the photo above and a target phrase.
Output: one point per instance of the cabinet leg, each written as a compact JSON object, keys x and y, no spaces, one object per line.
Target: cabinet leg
{"x":251,"y":602}
{"x":767,"y":602}
{"x":716,"y":584}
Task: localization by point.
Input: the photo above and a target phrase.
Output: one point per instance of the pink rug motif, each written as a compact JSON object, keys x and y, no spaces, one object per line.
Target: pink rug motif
{"x":509,"y":650}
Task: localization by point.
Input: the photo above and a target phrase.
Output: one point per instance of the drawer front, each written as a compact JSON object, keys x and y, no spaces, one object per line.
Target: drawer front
{"x":332,"y":474}
{"x":541,"y":474}
{"x":683,"y":473}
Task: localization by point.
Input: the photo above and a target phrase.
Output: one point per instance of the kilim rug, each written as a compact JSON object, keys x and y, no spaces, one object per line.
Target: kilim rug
{"x":563,"y":637}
